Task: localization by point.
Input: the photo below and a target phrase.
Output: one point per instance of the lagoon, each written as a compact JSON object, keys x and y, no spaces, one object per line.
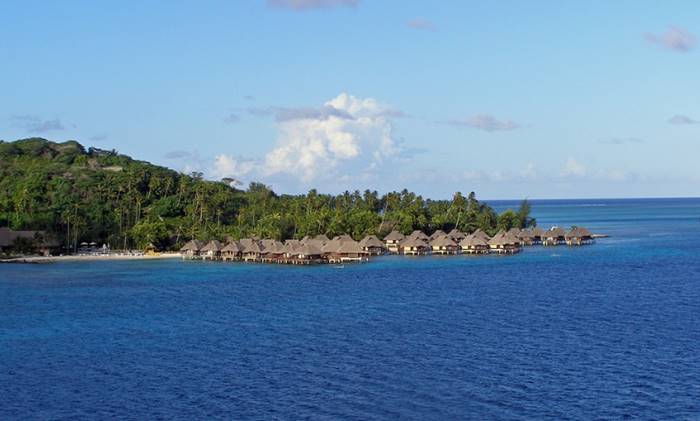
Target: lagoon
{"x":602,"y":331}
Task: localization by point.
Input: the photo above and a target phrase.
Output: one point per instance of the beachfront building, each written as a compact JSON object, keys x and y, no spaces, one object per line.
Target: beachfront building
{"x":192,"y":249}
{"x":372,"y":245}
{"x":351,"y":251}
{"x":232,"y":251}
{"x":37,"y":241}
{"x":251,"y":250}
{"x":526,"y":237}
{"x":308,"y":253}
{"x":553,"y":237}
{"x":212,"y":250}
{"x":444,"y":245}
{"x":504,"y":243}
{"x":419,"y":235}
{"x":413,"y":246}
{"x":472,"y":244}
{"x":537,"y":235}
{"x":481,"y":234}
{"x":393,"y":241}
{"x":578,"y":236}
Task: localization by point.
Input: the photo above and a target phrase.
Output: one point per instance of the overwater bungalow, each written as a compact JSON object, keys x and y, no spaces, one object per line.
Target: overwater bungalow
{"x":212,"y":250}
{"x":437,"y":234}
{"x":272,"y":251}
{"x":308,"y":253}
{"x":250,"y":250}
{"x":553,"y":237}
{"x":456,"y":235}
{"x":414,"y":246}
{"x":232,"y":251}
{"x":191,"y":250}
{"x":343,"y":238}
{"x":372,"y":245}
{"x":537,"y":235}
{"x":578,"y":236}
{"x":351,"y":251}
{"x":526,"y":238}
{"x":504,"y":243}
{"x":473,"y":244}
{"x":444,"y":245}
{"x":393,"y":240}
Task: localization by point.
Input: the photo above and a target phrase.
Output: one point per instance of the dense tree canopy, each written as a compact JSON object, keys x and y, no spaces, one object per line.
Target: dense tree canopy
{"x":97,"y":195}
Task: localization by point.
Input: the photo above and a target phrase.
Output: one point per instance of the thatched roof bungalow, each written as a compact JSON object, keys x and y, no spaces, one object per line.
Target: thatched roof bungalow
{"x":444,"y":245}
{"x":479,"y":233}
{"x":504,"y":243}
{"x":419,"y":235}
{"x":231,"y":251}
{"x":392,"y":241}
{"x":553,"y":237}
{"x":372,"y":245}
{"x":191,"y":249}
{"x":212,"y":250}
{"x":251,"y":250}
{"x":578,"y":236}
{"x":414,"y":246}
{"x":437,"y":234}
{"x":473,"y":244}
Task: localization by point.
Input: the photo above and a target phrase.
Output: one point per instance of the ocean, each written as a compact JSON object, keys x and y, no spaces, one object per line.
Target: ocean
{"x":606,"y":331}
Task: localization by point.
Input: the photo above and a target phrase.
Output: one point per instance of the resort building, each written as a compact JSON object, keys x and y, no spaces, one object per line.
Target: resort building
{"x":553,"y":237}
{"x":211,"y":251}
{"x":437,"y":234}
{"x":473,"y":244}
{"x":232,"y":251}
{"x":9,"y":238}
{"x":419,"y":235}
{"x":191,"y":250}
{"x":578,"y":236}
{"x":251,"y":250}
{"x":393,"y":241}
{"x":372,"y":245}
{"x":444,"y":245}
{"x":504,"y":243}
{"x":479,"y":233}
{"x":413,"y":246}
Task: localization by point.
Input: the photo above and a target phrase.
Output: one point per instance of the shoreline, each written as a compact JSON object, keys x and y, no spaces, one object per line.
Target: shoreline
{"x":89,"y":258}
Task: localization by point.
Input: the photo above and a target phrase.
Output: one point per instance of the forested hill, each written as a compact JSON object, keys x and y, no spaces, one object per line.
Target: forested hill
{"x":78,"y":194}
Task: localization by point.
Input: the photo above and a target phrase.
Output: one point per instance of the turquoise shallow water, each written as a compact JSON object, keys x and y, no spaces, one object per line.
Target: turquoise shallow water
{"x":606,"y":331}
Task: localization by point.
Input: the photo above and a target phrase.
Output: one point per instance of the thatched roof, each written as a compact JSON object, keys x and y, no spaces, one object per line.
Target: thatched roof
{"x":394,"y":236}
{"x":232,"y":247}
{"x":192,"y":245}
{"x":322,"y":238}
{"x":249,"y":245}
{"x":8,"y":236}
{"x":503,"y":239}
{"x":419,"y":234}
{"x":414,"y":242}
{"x":309,"y":250}
{"x":472,"y":241}
{"x":456,"y":234}
{"x":331,"y":246}
{"x":437,"y":234}
{"x":371,"y":241}
{"x":349,"y":247}
{"x":481,"y":234}
{"x":525,"y":234}
{"x":515,"y":232}
{"x":578,"y":232}
{"x":536,"y":232}
{"x":555,"y":232}
{"x":343,"y":238}
{"x":274,"y":247}
{"x":443,"y":241}
{"x":305,"y":239}
{"x":315,"y":243}
{"x":213,"y":245}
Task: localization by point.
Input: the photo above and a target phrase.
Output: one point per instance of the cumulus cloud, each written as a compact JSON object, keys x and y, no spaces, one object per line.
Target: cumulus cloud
{"x":485,"y":122}
{"x":35,"y":124}
{"x":421,"y":24}
{"x":621,"y":141}
{"x":573,"y":169}
{"x":301,"y":5}
{"x":674,"y":39}
{"x":680,"y":119}
{"x":345,"y":137}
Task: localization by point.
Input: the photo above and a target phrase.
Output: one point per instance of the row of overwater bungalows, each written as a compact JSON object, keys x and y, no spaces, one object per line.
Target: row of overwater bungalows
{"x":343,"y":248}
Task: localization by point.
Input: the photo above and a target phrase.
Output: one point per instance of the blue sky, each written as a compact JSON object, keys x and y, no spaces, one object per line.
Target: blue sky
{"x":509,"y":99}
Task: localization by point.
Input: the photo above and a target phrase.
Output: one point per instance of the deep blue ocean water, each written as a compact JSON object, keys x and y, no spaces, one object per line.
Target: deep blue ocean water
{"x":607,"y":331}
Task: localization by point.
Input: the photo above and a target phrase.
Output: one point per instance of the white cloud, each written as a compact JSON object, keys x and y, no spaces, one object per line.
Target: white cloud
{"x":345,"y":138}
{"x":680,"y":119}
{"x":228,"y":166}
{"x":573,"y":169}
{"x":674,"y":39}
